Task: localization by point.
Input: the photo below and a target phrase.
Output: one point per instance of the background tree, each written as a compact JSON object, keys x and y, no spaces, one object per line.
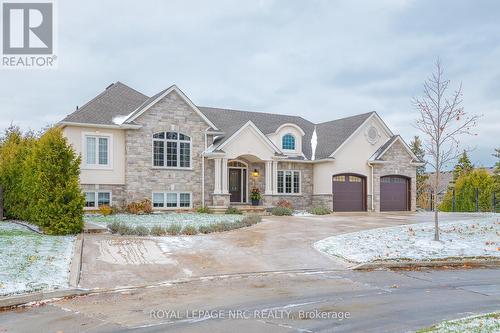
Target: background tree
{"x":442,"y":119}
{"x":418,"y":150}
{"x":496,"y":176}
{"x":463,"y":166}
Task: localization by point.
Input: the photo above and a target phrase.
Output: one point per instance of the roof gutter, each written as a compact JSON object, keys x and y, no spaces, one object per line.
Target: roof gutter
{"x":123,"y":126}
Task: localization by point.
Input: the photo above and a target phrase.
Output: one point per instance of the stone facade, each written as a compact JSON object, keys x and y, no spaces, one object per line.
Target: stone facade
{"x":172,"y":113}
{"x":322,"y":200}
{"x":397,"y":161}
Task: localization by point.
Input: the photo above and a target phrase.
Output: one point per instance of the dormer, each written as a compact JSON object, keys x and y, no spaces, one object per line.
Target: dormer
{"x":288,"y":138}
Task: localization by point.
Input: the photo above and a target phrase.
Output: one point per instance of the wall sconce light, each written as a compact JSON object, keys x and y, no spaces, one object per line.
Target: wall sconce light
{"x":255,"y":173}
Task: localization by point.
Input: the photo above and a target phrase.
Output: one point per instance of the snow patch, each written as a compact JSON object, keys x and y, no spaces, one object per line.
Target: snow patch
{"x":314,"y":143}
{"x":119,"y":120}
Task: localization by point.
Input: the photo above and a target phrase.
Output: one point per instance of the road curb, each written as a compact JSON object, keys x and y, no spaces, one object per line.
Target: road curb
{"x":25,"y":299}
{"x":76,"y":262}
{"x":474,"y":262}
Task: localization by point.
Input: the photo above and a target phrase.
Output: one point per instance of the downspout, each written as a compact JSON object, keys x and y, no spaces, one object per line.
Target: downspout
{"x":371,"y":185}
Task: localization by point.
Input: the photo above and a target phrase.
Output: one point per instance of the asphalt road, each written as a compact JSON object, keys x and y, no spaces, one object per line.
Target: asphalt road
{"x":300,"y":301}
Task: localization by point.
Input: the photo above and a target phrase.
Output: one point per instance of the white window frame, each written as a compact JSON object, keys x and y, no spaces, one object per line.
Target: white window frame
{"x":178,"y":167}
{"x":293,"y":182}
{"x":178,"y":195}
{"x":108,"y":136}
{"x":96,"y":199}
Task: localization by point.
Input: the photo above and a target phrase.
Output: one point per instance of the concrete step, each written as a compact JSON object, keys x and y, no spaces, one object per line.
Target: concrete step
{"x":91,"y":228}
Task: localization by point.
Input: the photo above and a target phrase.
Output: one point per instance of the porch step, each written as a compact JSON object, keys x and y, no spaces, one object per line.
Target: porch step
{"x":91,"y":228}
{"x":247,"y":209}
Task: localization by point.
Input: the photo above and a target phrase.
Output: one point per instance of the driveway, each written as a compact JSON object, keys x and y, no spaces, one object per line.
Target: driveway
{"x":276,"y":244}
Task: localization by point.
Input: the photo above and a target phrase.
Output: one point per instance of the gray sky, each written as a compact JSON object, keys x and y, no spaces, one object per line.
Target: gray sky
{"x":321,"y":60}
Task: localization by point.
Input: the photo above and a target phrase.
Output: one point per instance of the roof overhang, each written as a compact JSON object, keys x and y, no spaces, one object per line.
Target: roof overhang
{"x":63,"y":124}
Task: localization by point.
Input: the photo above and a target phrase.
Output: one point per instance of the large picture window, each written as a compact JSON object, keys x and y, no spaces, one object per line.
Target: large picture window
{"x":171,"y":199}
{"x":97,"y":150}
{"x":289,"y":182}
{"x":97,"y":199}
{"x":172,"y":150}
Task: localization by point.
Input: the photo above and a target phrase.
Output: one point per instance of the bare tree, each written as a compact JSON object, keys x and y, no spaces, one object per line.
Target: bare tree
{"x":442,"y":120}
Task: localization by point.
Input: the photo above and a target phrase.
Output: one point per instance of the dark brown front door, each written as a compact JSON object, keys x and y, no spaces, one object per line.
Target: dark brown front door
{"x":235,"y":185}
{"x":394,"y":193}
{"x":348,"y":193}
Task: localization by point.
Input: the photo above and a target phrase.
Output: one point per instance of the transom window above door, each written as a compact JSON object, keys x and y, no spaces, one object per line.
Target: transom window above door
{"x":171,"y":150}
{"x":288,"y":142}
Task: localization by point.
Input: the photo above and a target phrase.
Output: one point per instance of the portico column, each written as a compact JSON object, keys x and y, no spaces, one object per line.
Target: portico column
{"x":269,"y":177}
{"x":224,"y":176}
{"x":274,"y":180}
{"x":217,"y":185}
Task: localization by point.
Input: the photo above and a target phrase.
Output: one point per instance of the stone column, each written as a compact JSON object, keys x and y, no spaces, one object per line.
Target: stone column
{"x":217,"y":185}
{"x":269,"y":178}
{"x":224,"y":177}
{"x":274,"y":178}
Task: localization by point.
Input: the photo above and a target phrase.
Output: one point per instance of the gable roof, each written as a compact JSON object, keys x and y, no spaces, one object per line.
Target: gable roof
{"x":388,"y":144}
{"x":117,"y":100}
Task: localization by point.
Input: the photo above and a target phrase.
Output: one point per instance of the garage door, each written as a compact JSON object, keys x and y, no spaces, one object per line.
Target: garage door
{"x":348,"y":193}
{"x":394,"y":193}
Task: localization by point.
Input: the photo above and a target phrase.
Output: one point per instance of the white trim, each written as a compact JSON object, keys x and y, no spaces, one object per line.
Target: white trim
{"x":262,"y":136}
{"x":124,"y":126}
{"x":300,"y":182}
{"x":96,"y":198}
{"x":374,"y":114}
{"x":178,"y":194}
{"x":400,"y":139}
{"x":97,"y":166}
{"x":134,"y":115}
{"x":241,"y":179}
{"x":290,"y":125}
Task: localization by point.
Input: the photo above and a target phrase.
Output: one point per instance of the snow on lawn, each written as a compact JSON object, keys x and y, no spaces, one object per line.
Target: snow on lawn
{"x":486,"y":323}
{"x":164,"y":219}
{"x":472,"y":238}
{"x":32,"y":262}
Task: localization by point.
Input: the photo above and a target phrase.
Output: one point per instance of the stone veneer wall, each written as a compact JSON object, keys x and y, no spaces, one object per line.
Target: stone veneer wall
{"x":141,"y":178}
{"x":118,"y":195}
{"x":322,"y":200}
{"x":398,"y":162}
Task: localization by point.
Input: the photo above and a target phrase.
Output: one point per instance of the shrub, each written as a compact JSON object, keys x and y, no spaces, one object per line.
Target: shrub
{"x":320,"y":211}
{"x":233,"y":210}
{"x":284,"y":203}
{"x":205,"y":229}
{"x":120,"y":228}
{"x":158,"y":230}
{"x":140,"y":207}
{"x":189,"y":230}
{"x":105,"y":210}
{"x":174,"y":229}
{"x":250,"y":220}
{"x":141,"y":230}
{"x":114,"y":227}
{"x":281,"y":211}
{"x":203,"y":210}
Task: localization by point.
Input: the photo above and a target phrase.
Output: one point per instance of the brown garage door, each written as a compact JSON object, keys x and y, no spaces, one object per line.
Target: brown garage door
{"x":394,"y":193}
{"x":349,"y":193}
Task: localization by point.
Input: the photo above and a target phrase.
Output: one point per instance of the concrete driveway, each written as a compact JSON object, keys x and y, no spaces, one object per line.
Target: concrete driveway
{"x":276,"y":244}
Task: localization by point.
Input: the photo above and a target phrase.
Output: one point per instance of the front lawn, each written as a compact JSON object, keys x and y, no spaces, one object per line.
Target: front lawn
{"x":32,"y":262}
{"x":487,"y":323}
{"x":472,"y":238}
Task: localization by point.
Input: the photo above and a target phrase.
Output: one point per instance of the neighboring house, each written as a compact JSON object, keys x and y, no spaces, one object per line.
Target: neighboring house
{"x":180,"y":155}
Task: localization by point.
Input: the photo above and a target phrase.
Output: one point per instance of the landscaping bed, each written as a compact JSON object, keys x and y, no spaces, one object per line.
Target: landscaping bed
{"x":478,"y":238}
{"x":32,"y":262}
{"x":486,"y":323}
{"x":171,"y":223}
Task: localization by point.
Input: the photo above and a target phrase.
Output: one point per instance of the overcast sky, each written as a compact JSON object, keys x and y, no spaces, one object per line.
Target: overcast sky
{"x":321,"y":60}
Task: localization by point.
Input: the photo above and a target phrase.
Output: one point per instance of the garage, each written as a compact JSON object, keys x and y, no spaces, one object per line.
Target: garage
{"x":394,"y":193}
{"x":349,"y":193}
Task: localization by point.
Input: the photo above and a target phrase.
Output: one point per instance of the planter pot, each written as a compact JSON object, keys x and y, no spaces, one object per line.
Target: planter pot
{"x":255,"y":202}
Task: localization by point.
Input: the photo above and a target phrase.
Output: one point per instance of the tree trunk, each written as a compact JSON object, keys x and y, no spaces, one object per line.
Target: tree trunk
{"x":436,"y":218}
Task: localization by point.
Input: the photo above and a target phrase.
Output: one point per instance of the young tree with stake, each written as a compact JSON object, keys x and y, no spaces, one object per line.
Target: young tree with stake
{"x":442,"y":120}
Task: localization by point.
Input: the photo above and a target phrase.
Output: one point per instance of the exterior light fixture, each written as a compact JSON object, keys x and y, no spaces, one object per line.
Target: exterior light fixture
{"x":255,"y":173}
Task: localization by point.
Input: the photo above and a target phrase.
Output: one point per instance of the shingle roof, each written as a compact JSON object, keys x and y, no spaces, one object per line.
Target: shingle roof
{"x":117,"y":100}
{"x":379,"y":151}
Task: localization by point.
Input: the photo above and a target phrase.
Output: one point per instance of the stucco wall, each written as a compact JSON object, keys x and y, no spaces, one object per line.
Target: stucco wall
{"x":172,"y":113}
{"x":398,"y":162}
{"x":351,"y":158}
{"x":114,"y":175}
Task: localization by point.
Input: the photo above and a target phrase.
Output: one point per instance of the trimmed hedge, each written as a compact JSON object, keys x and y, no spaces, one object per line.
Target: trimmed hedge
{"x":282,"y":211}
{"x":40,"y":177}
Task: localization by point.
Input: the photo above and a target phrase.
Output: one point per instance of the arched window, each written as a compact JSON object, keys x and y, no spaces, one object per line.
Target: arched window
{"x":288,"y":142}
{"x":172,"y":150}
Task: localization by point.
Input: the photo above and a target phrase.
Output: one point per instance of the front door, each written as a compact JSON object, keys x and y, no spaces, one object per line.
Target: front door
{"x":235,"y":185}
